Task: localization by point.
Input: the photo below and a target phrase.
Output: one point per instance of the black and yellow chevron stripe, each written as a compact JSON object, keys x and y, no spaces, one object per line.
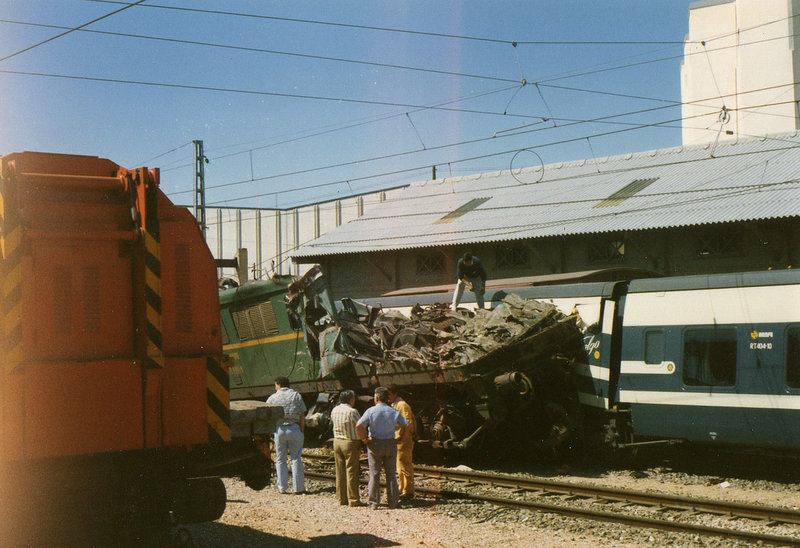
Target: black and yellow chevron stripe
{"x":152,"y":244}
{"x":11,"y":244}
{"x":218,"y":400}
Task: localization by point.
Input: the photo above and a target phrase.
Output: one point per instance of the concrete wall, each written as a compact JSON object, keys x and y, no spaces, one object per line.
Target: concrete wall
{"x":733,"y":247}
{"x":748,"y":64}
{"x":270,"y":235}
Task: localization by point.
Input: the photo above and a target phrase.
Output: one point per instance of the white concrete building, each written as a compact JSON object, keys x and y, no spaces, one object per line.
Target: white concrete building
{"x":270,"y":236}
{"x":740,"y":72}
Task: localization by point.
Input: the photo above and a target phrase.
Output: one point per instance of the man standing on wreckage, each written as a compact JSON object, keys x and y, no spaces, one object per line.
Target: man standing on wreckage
{"x":470,"y":274}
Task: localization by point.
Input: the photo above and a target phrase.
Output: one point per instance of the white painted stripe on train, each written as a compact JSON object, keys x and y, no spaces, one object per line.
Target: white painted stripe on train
{"x":608,"y":317}
{"x":711,"y":399}
{"x":748,"y":305}
{"x":641,"y":368}
{"x":593,"y":371}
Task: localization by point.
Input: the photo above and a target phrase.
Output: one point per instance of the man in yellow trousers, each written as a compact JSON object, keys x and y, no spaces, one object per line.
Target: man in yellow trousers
{"x":405,"y":445}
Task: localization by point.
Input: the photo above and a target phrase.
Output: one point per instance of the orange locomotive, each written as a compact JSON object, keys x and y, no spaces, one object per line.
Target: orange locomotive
{"x":114,"y":408}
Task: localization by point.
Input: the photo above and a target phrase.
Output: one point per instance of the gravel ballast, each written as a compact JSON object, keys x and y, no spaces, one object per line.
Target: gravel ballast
{"x":267,"y":518}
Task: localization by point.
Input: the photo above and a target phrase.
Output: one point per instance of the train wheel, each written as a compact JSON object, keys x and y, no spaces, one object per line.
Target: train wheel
{"x":617,"y":434}
{"x":561,"y":428}
{"x":200,"y":500}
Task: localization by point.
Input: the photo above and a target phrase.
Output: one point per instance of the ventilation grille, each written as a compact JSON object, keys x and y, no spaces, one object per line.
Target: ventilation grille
{"x":255,"y":322}
{"x":183,"y":289}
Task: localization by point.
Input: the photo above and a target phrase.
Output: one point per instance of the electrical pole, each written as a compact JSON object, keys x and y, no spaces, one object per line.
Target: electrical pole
{"x":200,"y":186}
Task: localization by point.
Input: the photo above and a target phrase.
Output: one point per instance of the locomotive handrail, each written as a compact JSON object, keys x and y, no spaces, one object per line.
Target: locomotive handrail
{"x":80,"y":181}
{"x":126,"y":235}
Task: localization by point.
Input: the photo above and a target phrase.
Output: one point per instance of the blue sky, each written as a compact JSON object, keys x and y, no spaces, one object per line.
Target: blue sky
{"x":267,"y":105}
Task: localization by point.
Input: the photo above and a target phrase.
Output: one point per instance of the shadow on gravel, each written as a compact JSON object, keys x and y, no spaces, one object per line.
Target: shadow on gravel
{"x":344,"y":540}
{"x":706,"y":460}
{"x":208,"y":535}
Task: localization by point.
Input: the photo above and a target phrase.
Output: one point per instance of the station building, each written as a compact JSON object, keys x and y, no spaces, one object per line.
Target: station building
{"x":708,"y":208}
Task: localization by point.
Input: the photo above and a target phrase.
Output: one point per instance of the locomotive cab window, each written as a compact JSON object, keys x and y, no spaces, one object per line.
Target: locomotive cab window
{"x":709,"y":357}
{"x":793,"y":357}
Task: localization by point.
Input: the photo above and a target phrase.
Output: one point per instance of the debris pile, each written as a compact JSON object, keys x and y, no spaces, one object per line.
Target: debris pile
{"x":436,"y":336}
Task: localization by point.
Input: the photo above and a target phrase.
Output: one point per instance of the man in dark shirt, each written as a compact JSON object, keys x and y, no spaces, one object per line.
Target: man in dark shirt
{"x":470,"y":274}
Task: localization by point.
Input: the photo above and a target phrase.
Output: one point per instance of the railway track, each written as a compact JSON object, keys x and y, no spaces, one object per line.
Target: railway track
{"x":622,"y":506}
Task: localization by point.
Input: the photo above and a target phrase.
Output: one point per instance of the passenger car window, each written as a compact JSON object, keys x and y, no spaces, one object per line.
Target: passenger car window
{"x":654,"y":347}
{"x":793,"y":357}
{"x":709,"y":357}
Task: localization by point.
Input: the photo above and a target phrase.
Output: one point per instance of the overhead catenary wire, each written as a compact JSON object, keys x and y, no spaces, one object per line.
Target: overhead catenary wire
{"x":389,"y":65}
{"x":255,"y":92}
{"x":461,"y":143}
{"x":271,"y":51}
{"x":540,"y":82}
{"x":70,"y":30}
{"x":512,"y":42}
{"x":184,"y":145}
{"x":565,"y":87}
{"x":347,"y":126}
{"x":714,"y":77}
{"x":421,"y":168}
{"x":542,"y":85}
{"x":405,"y":31}
{"x":603,"y":119}
{"x":524,"y":83}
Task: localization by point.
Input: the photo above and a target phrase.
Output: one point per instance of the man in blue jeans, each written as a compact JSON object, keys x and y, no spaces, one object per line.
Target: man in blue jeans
{"x":289,"y":436}
{"x":376,"y":428}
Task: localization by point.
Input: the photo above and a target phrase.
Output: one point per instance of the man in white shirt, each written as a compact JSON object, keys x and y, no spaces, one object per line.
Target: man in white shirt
{"x":289,"y":436}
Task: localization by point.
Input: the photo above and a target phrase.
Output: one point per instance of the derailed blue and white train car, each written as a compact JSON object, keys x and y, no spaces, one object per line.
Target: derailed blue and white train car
{"x":712,"y":358}
{"x":706,"y":358}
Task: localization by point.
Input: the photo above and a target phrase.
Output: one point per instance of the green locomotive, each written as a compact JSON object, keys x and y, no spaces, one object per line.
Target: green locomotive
{"x":257,"y":333}
{"x":463,"y":398}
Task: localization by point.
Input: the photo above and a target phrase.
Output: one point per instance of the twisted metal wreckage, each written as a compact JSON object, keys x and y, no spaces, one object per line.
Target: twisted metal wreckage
{"x":472,"y":378}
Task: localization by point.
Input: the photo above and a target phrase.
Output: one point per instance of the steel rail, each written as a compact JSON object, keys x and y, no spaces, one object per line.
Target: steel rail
{"x":598,"y":515}
{"x":742,"y":510}
{"x":751,"y":511}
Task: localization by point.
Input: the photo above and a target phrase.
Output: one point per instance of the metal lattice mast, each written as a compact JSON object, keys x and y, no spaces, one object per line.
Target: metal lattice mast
{"x":199,"y":186}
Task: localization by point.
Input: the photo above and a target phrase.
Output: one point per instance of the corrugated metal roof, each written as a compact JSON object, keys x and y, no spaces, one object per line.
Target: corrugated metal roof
{"x":736,"y":181}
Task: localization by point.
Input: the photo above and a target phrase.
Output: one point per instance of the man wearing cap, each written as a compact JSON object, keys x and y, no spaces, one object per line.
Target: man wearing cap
{"x":470,"y":274}
{"x":377,"y":430}
{"x":289,"y":436}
